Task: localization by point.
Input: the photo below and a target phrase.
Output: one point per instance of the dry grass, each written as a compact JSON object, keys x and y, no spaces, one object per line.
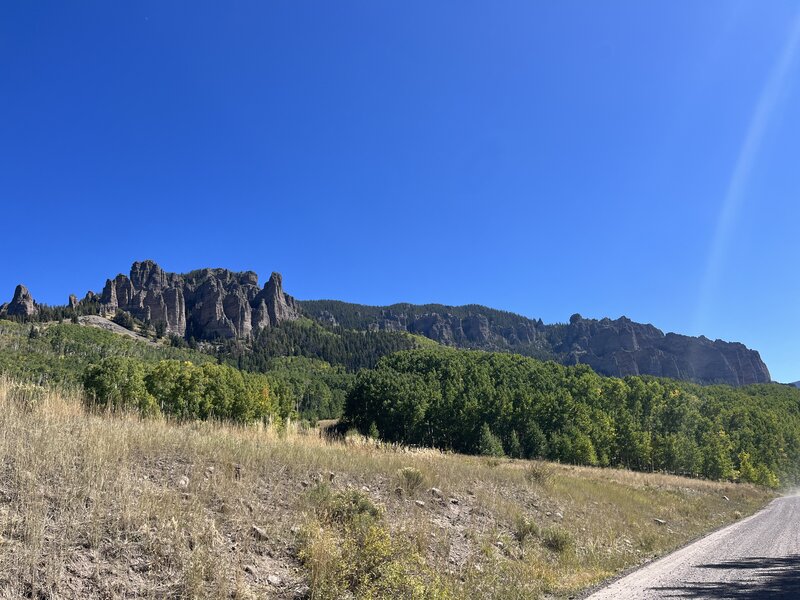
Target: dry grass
{"x":95,"y":506}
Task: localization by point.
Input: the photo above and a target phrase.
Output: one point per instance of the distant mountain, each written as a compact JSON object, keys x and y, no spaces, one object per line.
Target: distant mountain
{"x":217,"y":304}
{"x":613,"y":347}
{"x":796,"y":384}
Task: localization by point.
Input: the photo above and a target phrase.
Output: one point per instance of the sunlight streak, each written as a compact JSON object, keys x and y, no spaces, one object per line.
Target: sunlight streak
{"x":735,"y":195}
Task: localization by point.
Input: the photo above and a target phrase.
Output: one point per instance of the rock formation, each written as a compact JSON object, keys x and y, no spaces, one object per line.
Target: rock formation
{"x":613,"y":347}
{"x":212,"y":304}
{"x":622,"y":347}
{"x":22,"y":305}
{"x":205,"y":304}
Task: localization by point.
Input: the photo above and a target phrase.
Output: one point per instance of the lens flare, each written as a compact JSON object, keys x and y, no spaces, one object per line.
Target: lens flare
{"x":735,"y":195}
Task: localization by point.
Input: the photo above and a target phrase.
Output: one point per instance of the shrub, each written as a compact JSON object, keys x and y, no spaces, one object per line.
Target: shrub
{"x":353,"y":505}
{"x":123,"y":319}
{"x":347,"y":508}
{"x":557,"y":539}
{"x":539,"y":473}
{"x":410,"y":478}
{"x":373,"y":431}
{"x":525,"y":529}
{"x":354,"y":555}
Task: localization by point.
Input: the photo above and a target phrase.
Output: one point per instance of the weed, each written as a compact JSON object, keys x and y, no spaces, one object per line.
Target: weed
{"x":411,"y":479}
{"x":539,"y":473}
{"x":558,"y":540}
{"x":525,"y":529}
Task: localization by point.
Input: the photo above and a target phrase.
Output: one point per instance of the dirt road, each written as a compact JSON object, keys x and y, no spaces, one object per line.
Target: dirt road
{"x":758,"y":557}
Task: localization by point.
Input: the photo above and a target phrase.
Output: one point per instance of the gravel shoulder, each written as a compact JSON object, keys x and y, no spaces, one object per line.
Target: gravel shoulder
{"x":758,"y":557}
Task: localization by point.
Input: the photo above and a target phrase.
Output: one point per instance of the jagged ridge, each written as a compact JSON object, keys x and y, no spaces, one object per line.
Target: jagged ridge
{"x":220,"y":304}
{"x":613,"y":347}
{"x":205,"y":304}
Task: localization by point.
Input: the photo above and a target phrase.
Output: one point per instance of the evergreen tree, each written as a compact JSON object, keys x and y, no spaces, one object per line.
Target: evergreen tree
{"x":489,"y":444}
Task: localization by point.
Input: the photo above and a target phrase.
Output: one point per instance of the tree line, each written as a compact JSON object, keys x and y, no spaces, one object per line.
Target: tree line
{"x":350,"y":349}
{"x":504,"y":404}
{"x":294,"y":387}
{"x":183,"y":390}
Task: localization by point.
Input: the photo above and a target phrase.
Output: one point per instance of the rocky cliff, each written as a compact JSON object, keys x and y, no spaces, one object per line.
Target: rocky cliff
{"x":205,"y":304}
{"x":469,"y":326}
{"x":22,"y":305}
{"x":613,"y":347}
{"x":622,"y":347}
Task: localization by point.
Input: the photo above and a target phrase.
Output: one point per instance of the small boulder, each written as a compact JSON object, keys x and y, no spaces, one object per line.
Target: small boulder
{"x":302,"y":592}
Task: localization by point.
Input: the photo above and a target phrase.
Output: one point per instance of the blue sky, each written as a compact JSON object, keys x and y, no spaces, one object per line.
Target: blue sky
{"x":541,"y":157}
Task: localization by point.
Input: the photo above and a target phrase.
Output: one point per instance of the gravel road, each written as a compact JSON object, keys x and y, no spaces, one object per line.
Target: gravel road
{"x":758,"y":557}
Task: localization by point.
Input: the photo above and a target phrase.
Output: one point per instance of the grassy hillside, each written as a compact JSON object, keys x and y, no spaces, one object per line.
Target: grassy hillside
{"x":95,"y":505}
{"x":59,"y":352}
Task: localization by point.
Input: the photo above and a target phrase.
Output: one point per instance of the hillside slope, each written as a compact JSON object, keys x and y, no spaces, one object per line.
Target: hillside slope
{"x":93,"y":506}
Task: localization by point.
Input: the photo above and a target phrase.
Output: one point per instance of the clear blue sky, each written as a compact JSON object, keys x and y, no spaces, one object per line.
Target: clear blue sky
{"x":607,"y":158}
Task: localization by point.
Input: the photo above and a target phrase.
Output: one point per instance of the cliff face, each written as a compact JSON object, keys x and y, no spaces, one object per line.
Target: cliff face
{"x":470,"y":326}
{"x":22,"y":305}
{"x":613,"y":347}
{"x":622,"y":347}
{"x":457,"y":330}
{"x":206,"y":304}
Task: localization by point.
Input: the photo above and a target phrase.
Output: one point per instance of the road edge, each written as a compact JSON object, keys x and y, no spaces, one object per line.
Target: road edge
{"x":584,"y":594}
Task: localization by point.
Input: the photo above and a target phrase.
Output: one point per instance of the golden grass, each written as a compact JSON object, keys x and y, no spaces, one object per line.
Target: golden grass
{"x":101,"y":506}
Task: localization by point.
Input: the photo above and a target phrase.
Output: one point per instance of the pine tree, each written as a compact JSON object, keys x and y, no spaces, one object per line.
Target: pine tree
{"x":489,"y":444}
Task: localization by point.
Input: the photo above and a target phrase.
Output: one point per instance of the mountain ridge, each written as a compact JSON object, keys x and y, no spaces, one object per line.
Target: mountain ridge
{"x":219,"y":304}
{"x":617,"y":347}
